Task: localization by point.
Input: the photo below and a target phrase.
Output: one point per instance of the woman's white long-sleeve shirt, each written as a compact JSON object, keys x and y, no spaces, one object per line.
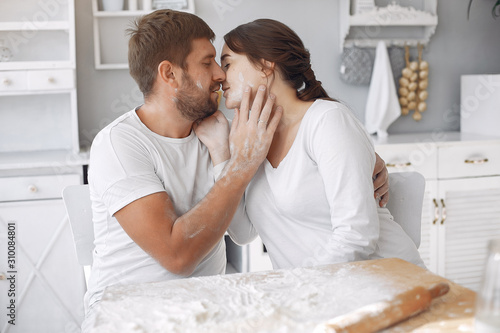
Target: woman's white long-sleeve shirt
{"x":317,"y":206}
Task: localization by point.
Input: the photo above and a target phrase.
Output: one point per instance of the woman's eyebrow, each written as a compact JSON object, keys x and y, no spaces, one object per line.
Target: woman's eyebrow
{"x":224,"y":56}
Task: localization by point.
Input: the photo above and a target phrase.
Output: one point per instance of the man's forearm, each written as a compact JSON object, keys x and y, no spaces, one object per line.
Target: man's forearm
{"x":199,"y":230}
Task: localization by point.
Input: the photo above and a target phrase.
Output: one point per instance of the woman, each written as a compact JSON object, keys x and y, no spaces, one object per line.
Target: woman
{"x":311,"y":201}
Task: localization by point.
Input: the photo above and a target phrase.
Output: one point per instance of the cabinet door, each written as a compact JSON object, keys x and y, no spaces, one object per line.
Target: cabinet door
{"x":470,"y":216}
{"x":258,"y":258}
{"x":49,"y":282}
{"x":429,"y":231}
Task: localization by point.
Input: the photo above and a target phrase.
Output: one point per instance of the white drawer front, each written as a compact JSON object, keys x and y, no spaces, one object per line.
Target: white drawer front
{"x":36,"y":187}
{"x":471,"y":160}
{"x":410,"y":157}
{"x":13,"y":81}
{"x":51,"y":80}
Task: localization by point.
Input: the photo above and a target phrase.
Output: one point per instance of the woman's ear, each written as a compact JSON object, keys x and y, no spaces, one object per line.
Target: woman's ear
{"x":167,"y":73}
{"x":267,"y":68}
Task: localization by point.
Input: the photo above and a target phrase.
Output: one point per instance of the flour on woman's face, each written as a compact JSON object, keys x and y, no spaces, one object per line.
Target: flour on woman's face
{"x":239,"y":74}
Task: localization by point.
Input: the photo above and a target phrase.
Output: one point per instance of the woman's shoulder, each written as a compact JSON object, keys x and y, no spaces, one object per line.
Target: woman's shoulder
{"x":330,"y":111}
{"x":335,"y":122}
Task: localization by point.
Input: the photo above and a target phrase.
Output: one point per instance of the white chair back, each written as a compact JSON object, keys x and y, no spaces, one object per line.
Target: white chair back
{"x":79,"y":207}
{"x":406,"y":195}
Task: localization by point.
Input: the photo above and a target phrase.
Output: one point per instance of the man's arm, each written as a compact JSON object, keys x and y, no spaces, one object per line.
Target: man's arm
{"x":179,"y":243}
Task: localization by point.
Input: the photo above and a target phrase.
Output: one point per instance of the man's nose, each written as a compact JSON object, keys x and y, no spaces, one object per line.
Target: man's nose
{"x":219,"y":74}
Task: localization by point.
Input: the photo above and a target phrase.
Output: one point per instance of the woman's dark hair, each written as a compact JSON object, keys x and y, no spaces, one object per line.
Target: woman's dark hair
{"x":270,"y":40}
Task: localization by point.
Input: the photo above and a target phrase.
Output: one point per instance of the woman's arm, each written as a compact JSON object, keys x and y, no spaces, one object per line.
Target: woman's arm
{"x":345,"y":158}
{"x":381,"y":181}
{"x":241,"y":230}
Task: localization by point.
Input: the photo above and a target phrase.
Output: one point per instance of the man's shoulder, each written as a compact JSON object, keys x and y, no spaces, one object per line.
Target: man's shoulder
{"x":125,"y":120}
{"x":121,"y":125}
{"x":122,"y":129}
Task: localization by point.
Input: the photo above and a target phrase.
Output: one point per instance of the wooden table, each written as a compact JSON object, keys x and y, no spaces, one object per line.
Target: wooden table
{"x":280,"y":301}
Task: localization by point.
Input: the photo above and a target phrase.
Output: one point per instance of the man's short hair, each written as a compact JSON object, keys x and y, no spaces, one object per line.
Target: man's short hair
{"x":162,"y":35}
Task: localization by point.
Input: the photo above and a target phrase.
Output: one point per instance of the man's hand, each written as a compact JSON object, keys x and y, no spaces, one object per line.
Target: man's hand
{"x":381,"y":182}
{"x":213,"y":131}
{"x":252,"y":132}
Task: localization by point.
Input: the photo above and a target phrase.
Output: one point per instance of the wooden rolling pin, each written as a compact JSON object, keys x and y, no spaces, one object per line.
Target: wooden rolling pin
{"x":377,"y":316}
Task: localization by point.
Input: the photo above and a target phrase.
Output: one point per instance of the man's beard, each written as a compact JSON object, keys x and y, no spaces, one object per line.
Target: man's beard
{"x":194,"y":103}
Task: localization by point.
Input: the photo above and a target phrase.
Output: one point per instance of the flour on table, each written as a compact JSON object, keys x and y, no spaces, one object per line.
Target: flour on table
{"x":274,"y":301}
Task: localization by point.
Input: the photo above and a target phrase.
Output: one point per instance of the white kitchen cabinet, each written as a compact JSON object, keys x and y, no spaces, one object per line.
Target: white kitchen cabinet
{"x":461,"y":209}
{"x":38,"y":108}
{"x":39,"y":156}
{"x":470,"y":216}
{"x":48,"y":283}
{"x":110,"y":37}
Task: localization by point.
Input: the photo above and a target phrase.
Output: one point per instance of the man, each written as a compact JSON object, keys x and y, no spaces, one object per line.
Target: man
{"x":158,"y":211}
{"x":161,"y":199}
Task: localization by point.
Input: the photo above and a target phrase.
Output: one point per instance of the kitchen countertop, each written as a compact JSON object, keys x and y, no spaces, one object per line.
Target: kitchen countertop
{"x":294,"y":300}
{"x":42,"y":159}
{"x":432,"y":137}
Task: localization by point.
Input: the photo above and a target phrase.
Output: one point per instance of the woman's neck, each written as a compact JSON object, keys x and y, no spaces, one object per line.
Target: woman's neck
{"x":294,"y":110}
{"x":293,"y":107}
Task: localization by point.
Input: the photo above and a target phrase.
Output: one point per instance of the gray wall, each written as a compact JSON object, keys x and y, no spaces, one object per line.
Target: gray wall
{"x":458,"y":47}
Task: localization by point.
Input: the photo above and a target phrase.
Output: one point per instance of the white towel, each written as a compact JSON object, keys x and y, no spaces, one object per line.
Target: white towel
{"x":382,"y":106}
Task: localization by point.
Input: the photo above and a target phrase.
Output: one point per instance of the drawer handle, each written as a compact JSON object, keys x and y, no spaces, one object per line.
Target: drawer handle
{"x":51,"y":79}
{"x":436,"y":211}
{"x":479,"y":161}
{"x":6,"y":82}
{"x":398,"y":165}
{"x":444,"y":211}
{"x":32,"y":188}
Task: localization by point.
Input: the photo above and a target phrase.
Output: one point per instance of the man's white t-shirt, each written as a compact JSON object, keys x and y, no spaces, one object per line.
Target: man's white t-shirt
{"x":127,"y":162}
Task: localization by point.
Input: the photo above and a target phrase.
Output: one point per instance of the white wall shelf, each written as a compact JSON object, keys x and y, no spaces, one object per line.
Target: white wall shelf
{"x":22,"y":26}
{"x":25,"y":65}
{"x":395,"y":25}
{"x":110,"y":40}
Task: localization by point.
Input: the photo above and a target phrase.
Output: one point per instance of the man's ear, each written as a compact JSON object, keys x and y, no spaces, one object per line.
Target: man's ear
{"x":267,"y":68}
{"x":168,"y":73}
